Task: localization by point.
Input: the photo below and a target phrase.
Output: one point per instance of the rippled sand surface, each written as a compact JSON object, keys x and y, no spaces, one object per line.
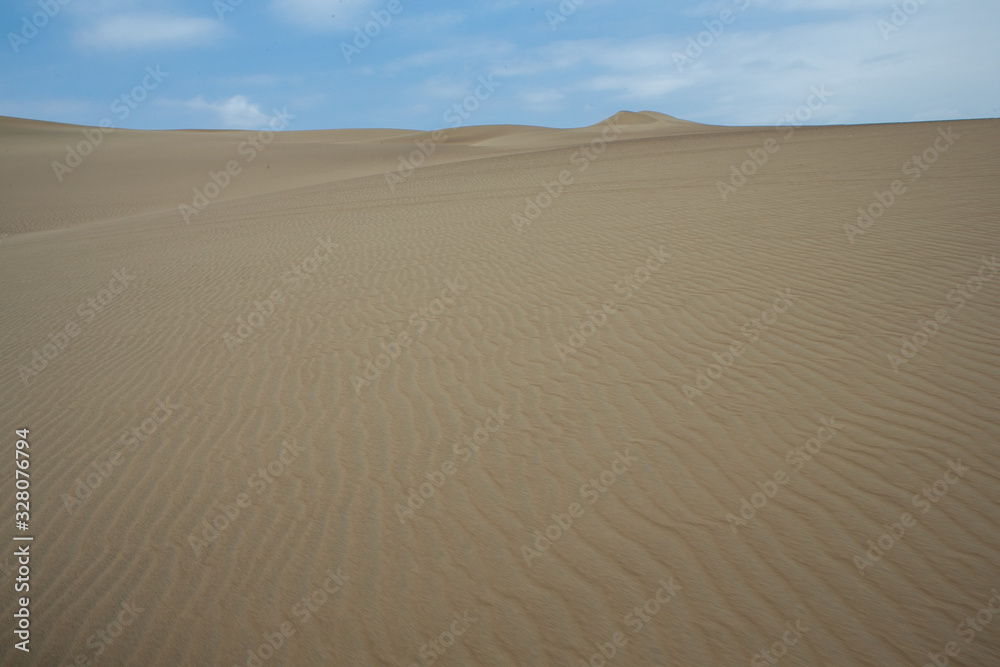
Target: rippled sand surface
{"x":549,"y":397}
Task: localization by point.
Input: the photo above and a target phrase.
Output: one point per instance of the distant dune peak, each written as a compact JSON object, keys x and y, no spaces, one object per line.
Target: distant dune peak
{"x":642,"y":118}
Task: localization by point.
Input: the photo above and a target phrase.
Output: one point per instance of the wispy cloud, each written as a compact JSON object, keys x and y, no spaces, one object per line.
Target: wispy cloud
{"x":636,"y":86}
{"x":325,"y":15}
{"x":544,"y":99}
{"x":141,"y":31}
{"x":444,"y":87}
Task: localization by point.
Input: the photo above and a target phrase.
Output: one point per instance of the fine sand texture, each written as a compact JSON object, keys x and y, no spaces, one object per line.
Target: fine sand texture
{"x":642,"y":393}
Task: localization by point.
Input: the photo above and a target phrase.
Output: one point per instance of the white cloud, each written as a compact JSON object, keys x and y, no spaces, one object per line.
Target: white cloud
{"x":137,"y":31}
{"x":237,"y":112}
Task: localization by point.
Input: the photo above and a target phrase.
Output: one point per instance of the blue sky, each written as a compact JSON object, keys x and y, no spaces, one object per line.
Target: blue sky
{"x":229,"y":66}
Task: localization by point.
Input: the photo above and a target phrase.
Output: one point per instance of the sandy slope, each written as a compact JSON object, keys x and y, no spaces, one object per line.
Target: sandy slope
{"x":482,"y":321}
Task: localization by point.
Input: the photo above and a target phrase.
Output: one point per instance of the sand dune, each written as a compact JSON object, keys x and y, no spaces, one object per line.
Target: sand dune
{"x":548,"y":394}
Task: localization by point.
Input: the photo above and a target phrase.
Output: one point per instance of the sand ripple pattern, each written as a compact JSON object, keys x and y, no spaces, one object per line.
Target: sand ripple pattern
{"x":300,"y":390}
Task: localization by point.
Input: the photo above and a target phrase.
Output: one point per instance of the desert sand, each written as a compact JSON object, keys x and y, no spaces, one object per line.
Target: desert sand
{"x":643,"y":393}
